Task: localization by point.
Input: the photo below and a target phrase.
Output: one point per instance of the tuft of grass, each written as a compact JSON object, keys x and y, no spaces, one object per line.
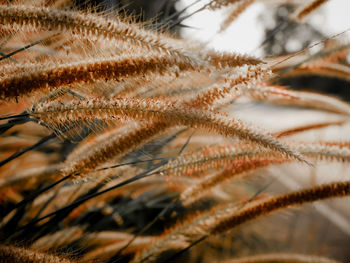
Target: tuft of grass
{"x":122,"y":143}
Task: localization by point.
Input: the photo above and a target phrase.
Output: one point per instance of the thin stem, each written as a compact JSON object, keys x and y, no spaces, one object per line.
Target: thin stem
{"x":27,"y":46}
{"x":27,"y":149}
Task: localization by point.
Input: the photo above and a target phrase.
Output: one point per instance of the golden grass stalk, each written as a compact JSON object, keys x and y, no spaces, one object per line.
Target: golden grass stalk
{"x":217,"y":4}
{"x":282,"y":258}
{"x":307,"y":9}
{"x":331,"y":190}
{"x":85,"y":25}
{"x":212,"y":157}
{"x":118,"y":143}
{"x":233,"y":170}
{"x":331,"y":151}
{"x":241,"y":6}
{"x":310,"y":100}
{"x":243,"y":83}
{"x":156,"y":110}
{"x":55,"y":76}
{"x":309,"y":127}
{"x":226,"y":60}
{"x":11,"y":254}
{"x":193,"y":78}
